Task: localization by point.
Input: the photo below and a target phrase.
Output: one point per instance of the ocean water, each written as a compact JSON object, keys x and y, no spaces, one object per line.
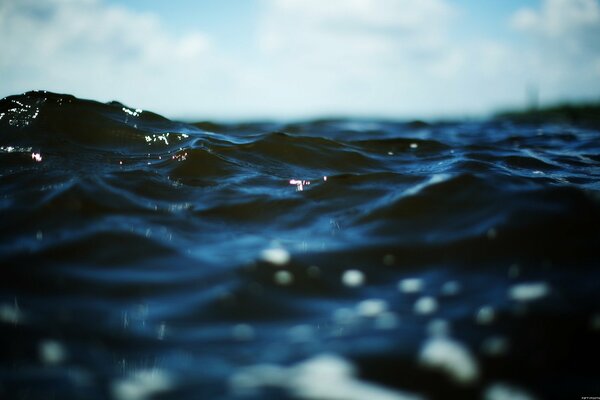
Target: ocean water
{"x":145,"y":258}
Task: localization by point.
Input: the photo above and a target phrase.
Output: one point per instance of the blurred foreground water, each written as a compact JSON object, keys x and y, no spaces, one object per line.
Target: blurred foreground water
{"x":334,"y":259}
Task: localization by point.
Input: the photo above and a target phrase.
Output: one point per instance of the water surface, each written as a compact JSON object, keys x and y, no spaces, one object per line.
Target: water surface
{"x":331,"y":259}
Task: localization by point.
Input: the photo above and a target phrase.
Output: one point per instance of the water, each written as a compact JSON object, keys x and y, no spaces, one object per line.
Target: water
{"x":332,"y":259}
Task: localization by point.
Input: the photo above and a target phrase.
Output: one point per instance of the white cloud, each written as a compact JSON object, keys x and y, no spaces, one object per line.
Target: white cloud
{"x":310,"y":57}
{"x":96,"y":50}
{"x":561,"y":47}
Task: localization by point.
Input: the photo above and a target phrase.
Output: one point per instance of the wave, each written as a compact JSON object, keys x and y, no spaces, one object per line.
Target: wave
{"x":203,"y":251}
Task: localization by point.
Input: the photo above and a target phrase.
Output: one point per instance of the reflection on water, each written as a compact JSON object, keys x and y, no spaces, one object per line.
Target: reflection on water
{"x":332,"y":259}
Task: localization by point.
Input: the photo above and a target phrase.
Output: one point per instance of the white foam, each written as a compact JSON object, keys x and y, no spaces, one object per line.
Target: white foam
{"x":528,"y":291}
{"x":503,"y":391}
{"x":142,"y":384}
{"x":276,"y":255}
{"x":451,"y":357}
{"x":426,"y":305}
{"x":410,"y":285}
{"x":323,"y":377}
{"x":52,"y":352}
{"x":353,"y":278}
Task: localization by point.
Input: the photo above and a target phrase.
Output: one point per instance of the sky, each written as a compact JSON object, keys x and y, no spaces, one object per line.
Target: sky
{"x":284,"y":59}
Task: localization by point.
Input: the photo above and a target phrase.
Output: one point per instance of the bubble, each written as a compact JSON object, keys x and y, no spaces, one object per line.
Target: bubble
{"x":438,"y":327}
{"x":389,"y":260}
{"x":451,"y":357}
{"x":10,"y":313}
{"x":284,"y":278}
{"x":313,"y":271}
{"x":503,"y":391}
{"x":451,"y":288}
{"x":52,"y":352}
{"x":386,"y":320}
{"x":276,"y":256}
{"x":371,"y":307}
{"x":525,"y":292}
{"x":485,"y":315}
{"x":353,"y":278}
{"x":495,"y":346}
{"x":426,"y":305}
{"x":142,"y":385}
{"x":410,"y":285}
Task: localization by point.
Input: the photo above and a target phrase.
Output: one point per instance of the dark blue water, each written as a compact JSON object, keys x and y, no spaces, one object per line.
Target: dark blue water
{"x":333,"y":259}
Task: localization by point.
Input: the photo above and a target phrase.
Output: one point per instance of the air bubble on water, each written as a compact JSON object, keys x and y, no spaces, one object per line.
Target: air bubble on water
{"x":283,"y":278}
{"x":389,"y":260}
{"x":426,"y":305}
{"x":514,"y":271}
{"x":503,"y":391}
{"x":353,"y":278}
{"x":438,"y":327}
{"x":276,"y":256}
{"x":52,"y":352}
{"x":495,"y":346}
{"x":525,"y":292}
{"x":313,"y":271}
{"x":386,"y":320}
{"x":485,"y":315}
{"x":410,"y":285}
{"x":243,"y":332}
{"x":414,"y":145}
{"x":451,"y":357}
{"x":11,"y":313}
{"x":142,"y":385}
{"x":451,"y":288}
{"x":371,"y":307}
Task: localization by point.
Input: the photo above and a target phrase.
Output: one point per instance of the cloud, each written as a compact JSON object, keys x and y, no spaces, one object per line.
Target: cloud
{"x":396,"y":58}
{"x":96,"y":50}
{"x":561,"y":47}
{"x":358,"y":55}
